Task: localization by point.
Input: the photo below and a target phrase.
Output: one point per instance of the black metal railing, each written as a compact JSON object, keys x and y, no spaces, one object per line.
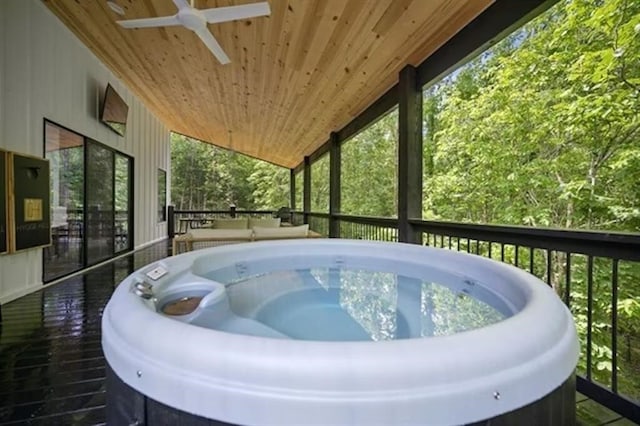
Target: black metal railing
{"x":595,"y":273}
{"x":597,"y":276}
{"x":368,"y":228}
{"x":297,"y":218}
{"x":319,"y":222}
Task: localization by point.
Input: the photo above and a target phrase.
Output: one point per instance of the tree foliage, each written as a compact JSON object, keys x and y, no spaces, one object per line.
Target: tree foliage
{"x":544,"y":130}
{"x":369,"y":169}
{"x":204,"y":177}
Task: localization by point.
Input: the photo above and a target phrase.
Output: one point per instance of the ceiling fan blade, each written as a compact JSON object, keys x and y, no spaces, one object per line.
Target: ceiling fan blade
{"x":164,"y":21}
{"x":209,"y":40}
{"x":233,"y":13}
{"x":181,"y":3}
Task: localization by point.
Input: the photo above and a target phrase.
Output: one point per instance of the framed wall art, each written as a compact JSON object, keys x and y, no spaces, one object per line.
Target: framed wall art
{"x":28,"y":196}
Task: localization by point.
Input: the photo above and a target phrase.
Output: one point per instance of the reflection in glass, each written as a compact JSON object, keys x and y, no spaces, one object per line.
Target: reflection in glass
{"x":162,"y":195}
{"x":123,"y":211}
{"x":100,"y":205}
{"x":65,"y":151}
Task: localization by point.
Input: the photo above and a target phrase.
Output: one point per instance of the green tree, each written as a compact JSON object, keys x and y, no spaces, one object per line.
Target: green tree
{"x":271,"y":185}
{"x":320,"y":185}
{"x":369,"y":169}
{"x":544,"y":130}
{"x":205,"y":177}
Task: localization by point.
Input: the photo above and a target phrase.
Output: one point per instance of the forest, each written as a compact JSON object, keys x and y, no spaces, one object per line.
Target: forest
{"x":541,"y":130}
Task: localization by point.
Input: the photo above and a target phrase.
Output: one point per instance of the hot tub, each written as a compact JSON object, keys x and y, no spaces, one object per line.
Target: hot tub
{"x":337,"y":332}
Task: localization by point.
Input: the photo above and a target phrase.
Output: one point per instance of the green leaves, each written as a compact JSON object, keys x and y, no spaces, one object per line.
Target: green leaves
{"x":544,"y":130}
{"x":369,"y":170}
{"x":540,"y":129}
{"x":204,"y":177}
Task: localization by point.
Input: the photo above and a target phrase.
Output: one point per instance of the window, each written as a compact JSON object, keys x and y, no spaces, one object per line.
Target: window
{"x":90,"y":201}
{"x":162,"y":195}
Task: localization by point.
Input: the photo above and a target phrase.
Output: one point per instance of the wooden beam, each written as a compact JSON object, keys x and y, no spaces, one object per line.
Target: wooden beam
{"x":381,"y":106}
{"x":300,"y":167}
{"x":409,"y":154}
{"x":321,"y":151}
{"x":334,"y":185}
{"x":495,"y":23}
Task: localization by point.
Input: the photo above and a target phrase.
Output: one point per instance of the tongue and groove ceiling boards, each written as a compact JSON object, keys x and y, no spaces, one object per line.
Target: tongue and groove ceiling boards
{"x":295,"y":76}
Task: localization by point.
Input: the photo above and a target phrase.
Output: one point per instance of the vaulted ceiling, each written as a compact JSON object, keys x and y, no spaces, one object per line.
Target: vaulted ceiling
{"x":306,"y":70}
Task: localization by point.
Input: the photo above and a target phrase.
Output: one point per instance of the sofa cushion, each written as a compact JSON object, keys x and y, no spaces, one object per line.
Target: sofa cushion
{"x":221,"y":234}
{"x":265,"y":222}
{"x":261,"y":233}
{"x":239,"y":223}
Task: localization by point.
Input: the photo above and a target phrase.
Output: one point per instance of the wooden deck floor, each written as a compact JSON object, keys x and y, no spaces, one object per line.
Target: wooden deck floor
{"x":51,"y":363}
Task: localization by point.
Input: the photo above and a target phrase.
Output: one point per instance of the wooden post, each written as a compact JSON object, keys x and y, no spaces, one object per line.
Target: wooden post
{"x":409,"y":155}
{"x":306,"y":204}
{"x":334,"y":185}
{"x":292,"y":189}
{"x":171,"y":221}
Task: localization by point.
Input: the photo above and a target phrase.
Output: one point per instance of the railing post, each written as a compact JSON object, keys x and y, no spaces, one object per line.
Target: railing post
{"x":292,"y":189}
{"x":171,"y":222}
{"x":306,"y":204}
{"x":334,"y":185}
{"x":409,"y":155}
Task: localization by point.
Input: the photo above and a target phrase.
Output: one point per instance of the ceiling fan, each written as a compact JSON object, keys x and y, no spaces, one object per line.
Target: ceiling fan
{"x":197,"y":19}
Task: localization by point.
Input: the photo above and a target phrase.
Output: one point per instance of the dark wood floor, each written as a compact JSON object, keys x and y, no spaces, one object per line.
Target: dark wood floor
{"x":51,"y":363}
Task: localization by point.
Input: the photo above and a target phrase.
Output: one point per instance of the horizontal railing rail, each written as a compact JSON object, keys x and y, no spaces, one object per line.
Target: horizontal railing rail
{"x":386,"y":222}
{"x":595,"y":243}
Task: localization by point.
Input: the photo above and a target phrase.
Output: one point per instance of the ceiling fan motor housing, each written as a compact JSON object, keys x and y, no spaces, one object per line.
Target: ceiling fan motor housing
{"x":192,"y":19}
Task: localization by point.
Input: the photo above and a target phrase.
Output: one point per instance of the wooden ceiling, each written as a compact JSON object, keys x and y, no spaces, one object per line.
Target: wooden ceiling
{"x":295,"y":76}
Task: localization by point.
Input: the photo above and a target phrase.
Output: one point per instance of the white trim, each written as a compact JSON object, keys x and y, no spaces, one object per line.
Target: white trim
{"x":149,"y":243}
{"x":258,"y":381}
{"x":16,"y":294}
{"x":39,"y":286}
{"x":103,"y":263}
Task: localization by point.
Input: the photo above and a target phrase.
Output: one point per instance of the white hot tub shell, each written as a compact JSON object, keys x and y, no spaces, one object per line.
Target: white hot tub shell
{"x":255,"y":380}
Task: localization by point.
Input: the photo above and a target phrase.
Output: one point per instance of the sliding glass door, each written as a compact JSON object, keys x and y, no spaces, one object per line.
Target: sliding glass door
{"x":100,"y":202}
{"x":65,"y":151}
{"x":90,"y":201}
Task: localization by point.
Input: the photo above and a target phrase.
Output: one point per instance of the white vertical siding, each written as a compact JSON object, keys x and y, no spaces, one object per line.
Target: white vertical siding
{"x":46,"y":72}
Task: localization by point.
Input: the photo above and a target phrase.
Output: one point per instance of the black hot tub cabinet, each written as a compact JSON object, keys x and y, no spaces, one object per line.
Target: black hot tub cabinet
{"x":173,"y":370}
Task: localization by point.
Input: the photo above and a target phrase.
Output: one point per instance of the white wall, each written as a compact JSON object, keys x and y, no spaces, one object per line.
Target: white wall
{"x":46,"y":72}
